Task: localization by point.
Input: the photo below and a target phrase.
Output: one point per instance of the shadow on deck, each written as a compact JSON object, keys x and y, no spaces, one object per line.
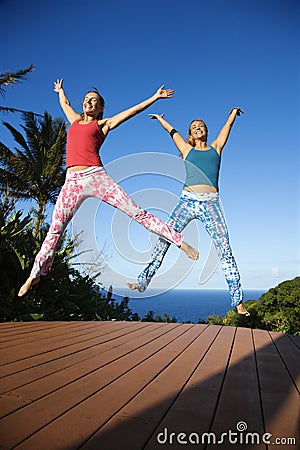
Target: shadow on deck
{"x":134,"y":386}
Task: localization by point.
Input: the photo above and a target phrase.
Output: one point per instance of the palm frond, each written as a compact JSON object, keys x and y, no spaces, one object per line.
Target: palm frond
{"x":14,"y":184}
{"x":9,"y":78}
{"x":18,"y":137}
{"x":13,"y":110}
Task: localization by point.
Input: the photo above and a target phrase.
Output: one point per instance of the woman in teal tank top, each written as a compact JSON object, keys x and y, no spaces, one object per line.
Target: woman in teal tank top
{"x":199,"y":200}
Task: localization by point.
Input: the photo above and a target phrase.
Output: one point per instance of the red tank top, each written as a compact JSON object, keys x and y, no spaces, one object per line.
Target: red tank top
{"x":83,"y":144}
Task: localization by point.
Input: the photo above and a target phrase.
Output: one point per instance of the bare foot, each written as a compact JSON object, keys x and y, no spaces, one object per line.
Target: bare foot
{"x":132,"y":286}
{"x":27,"y":285}
{"x":242,"y":310}
{"x":189,"y":251}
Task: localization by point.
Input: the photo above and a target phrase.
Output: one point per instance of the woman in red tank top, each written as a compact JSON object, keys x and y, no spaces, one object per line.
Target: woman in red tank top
{"x":86,"y":177}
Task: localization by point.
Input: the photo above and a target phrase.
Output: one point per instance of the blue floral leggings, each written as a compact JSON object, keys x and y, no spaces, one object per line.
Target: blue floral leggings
{"x":206,"y":208}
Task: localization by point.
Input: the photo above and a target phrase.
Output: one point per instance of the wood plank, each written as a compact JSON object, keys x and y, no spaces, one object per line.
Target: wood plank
{"x":280,"y":399}
{"x":295,"y":339}
{"x":100,"y":395}
{"x":50,"y":407}
{"x":84,"y":352}
{"x":112,"y":385}
{"x":194,"y":409}
{"x":7,"y":328}
{"x":290,"y":355}
{"x":48,"y":344}
{"x":134,"y":424}
{"x":62,"y":329}
{"x":104,"y":353}
{"x":239,"y":406}
{"x":61,"y":351}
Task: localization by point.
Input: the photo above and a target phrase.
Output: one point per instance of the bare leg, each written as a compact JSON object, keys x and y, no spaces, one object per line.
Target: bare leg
{"x":242,"y":310}
{"x":27,"y":285}
{"x":189,"y":251}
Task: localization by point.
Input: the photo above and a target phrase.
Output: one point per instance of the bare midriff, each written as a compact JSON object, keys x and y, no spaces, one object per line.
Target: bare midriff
{"x":75,"y":168}
{"x":201,"y":188}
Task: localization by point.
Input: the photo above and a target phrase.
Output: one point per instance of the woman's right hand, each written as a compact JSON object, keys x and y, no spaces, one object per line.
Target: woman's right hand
{"x":238,"y":111}
{"x":156,"y":116}
{"x":58,"y":85}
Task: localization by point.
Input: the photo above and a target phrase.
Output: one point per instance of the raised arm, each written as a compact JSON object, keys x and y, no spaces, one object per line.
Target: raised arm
{"x":113,"y":122}
{"x":180,"y":143}
{"x":221,"y":140}
{"x":64,"y":102}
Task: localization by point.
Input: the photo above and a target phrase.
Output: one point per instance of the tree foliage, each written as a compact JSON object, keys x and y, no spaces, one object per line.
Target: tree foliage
{"x":34,"y":170}
{"x":65,"y":294}
{"x":276,"y":310}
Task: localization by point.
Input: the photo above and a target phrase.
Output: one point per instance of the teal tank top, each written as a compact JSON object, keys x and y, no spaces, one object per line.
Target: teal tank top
{"x":202,"y":167}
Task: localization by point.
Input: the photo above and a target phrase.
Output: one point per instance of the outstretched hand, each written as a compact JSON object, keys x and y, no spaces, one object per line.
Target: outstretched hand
{"x":164,"y":93}
{"x":156,"y":116}
{"x":58,"y":84}
{"x":238,"y":111}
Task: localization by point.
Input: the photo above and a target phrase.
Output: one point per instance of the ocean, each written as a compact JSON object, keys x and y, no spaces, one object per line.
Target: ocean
{"x":187,"y":304}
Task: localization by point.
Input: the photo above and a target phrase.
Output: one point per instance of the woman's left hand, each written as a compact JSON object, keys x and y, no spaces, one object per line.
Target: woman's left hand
{"x":164,"y":93}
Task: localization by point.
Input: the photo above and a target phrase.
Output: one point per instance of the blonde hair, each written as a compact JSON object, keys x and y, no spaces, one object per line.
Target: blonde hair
{"x":190,"y":139}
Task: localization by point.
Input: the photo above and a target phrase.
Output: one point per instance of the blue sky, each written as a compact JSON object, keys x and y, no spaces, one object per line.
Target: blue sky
{"x":215,"y":55}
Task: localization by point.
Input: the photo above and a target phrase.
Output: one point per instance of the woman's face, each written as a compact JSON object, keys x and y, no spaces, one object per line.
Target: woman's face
{"x":91,"y":104}
{"x":198,"y":130}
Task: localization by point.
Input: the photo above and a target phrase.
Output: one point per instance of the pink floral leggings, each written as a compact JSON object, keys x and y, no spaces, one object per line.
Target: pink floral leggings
{"x":93,"y":182}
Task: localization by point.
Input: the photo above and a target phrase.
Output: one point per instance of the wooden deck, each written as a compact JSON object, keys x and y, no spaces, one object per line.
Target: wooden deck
{"x":118,"y":385}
